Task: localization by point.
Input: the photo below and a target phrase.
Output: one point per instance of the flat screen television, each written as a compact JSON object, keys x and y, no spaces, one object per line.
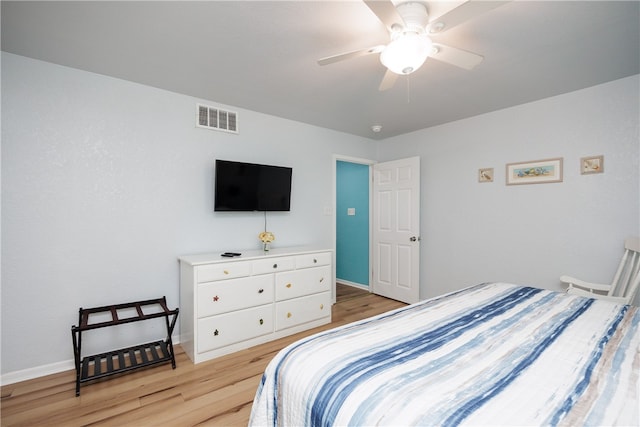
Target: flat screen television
{"x":251,"y":187}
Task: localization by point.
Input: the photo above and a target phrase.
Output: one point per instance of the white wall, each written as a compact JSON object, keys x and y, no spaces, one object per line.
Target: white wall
{"x":529,"y":234}
{"x":106,"y":182}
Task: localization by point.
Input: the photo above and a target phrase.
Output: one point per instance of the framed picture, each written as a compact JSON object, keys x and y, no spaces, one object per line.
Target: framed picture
{"x":594,"y":164}
{"x":535,"y":172}
{"x":485,"y":175}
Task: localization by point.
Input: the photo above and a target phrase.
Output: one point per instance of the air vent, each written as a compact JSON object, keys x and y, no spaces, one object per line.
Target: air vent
{"x":217,"y":119}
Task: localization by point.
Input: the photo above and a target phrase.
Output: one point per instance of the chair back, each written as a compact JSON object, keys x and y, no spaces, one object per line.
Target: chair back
{"x":627,"y":279}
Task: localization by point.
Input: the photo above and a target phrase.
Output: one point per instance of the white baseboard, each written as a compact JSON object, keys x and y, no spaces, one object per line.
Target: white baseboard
{"x":39,"y":371}
{"x":353,"y":284}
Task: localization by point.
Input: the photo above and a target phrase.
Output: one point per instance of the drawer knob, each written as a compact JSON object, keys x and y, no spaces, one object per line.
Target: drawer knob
{"x":262,"y":321}
{"x":288,"y":285}
{"x":321,"y":279}
{"x":289,"y":314}
{"x":321,"y":306}
{"x":225,"y":271}
{"x":216,"y":333}
{"x":315,"y":261}
{"x":216,"y":298}
{"x":260,"y":291}
{"x":275,"y":265}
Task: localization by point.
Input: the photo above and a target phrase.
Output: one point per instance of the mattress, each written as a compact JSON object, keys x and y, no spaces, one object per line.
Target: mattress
{"x":491,"y":354}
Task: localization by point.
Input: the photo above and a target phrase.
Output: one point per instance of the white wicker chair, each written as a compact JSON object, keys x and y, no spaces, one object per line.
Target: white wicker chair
{"x":625,"y":283}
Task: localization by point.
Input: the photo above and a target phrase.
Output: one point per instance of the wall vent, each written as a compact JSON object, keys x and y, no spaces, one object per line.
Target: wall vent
{"x":215,"y":118}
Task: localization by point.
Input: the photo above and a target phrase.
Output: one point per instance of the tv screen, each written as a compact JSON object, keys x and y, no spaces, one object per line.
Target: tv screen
{"x":251,"y":187}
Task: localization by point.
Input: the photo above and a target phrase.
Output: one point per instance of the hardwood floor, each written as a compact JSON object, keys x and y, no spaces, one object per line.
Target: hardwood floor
{"x":217,"y":392}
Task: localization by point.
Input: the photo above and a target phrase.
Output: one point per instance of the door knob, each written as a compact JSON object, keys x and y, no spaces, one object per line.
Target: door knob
{"x":414,"y":239}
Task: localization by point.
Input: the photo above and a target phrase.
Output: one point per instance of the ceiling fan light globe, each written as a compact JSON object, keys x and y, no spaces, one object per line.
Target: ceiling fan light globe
{"x":406,"y":53}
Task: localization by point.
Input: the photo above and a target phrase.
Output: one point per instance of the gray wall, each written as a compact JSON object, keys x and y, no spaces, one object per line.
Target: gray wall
{"x":105,"y":182}
{"x":475,"y":232}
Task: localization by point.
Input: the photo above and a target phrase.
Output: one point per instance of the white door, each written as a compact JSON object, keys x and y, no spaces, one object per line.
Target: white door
{"x":396,"y":229}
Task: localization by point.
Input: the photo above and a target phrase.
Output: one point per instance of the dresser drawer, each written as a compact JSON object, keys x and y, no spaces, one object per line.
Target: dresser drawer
{"x":228,"y":295}
{"x":230,"y":328}
{"x":297,"y":283}
{"x":302,"y":310}
{"x":273,"y":265}
{"x":313,"y":260}
{"x":222,"y":271}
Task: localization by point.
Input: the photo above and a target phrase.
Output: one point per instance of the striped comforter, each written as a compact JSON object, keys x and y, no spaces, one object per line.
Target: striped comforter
{"x":492,"y":354}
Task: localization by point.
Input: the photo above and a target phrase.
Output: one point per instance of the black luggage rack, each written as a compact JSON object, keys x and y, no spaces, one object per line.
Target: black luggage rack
{"x":127,"y":359}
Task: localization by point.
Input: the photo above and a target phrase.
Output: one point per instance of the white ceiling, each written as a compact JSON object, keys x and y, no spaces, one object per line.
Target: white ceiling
{"x":261,"y":55}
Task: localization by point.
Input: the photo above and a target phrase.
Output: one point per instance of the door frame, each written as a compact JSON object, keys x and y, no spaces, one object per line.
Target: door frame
{"x":361,"y":161}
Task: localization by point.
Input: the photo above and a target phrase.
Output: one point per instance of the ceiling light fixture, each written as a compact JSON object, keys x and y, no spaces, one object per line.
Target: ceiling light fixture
{"x":406,"y":53}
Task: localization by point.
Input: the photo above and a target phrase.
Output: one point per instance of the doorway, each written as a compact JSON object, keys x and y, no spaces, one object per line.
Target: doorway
{"x":352,"y":222}
{"x":390,"y":248}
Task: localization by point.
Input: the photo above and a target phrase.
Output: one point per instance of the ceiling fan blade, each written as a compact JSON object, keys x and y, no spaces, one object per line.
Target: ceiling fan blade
{"x":388,"y":81}
{"x":462,"y":13}
{"x":386,"y":12}
{"x":454,"y":56}
{"x":349,"y":55}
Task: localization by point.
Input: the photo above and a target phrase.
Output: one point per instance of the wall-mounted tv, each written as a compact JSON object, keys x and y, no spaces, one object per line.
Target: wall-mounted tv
{"x":251,"y":187}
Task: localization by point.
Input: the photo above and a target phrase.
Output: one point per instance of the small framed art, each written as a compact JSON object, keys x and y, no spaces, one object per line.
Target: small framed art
{"x":535,"y":172}
{"x":485,"y":175}
{"x":593,"y":164}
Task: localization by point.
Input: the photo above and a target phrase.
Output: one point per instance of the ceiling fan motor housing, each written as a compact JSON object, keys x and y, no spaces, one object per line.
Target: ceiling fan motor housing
{"x":414,"y":15}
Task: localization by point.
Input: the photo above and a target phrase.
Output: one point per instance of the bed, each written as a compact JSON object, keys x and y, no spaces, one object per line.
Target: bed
{"x":491,"y":354}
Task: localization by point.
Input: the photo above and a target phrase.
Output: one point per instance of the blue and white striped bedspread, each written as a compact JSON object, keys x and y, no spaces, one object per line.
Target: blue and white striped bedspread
{"x":492,"y":354}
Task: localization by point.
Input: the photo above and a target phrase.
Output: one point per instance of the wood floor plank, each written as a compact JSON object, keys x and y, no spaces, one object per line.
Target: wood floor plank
{"x":142,"y":414}
{"x":218,"y":392}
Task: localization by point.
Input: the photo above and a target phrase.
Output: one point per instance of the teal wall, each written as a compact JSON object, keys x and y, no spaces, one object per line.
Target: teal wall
{"x":352,"y":240}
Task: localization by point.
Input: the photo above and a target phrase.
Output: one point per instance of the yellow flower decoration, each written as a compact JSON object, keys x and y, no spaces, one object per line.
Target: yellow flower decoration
{"x":266,"y":237}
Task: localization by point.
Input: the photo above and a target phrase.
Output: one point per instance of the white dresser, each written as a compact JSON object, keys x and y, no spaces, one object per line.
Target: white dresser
{"x":229,"y":304}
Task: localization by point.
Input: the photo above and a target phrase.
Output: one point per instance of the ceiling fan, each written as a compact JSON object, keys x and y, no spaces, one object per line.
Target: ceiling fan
{"x":410,"y":29}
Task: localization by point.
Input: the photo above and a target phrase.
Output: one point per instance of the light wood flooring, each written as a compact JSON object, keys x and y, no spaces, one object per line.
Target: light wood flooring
{"x":218,"y":392}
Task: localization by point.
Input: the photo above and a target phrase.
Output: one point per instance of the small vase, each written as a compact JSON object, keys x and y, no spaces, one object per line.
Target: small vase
{"x":265,"y":246}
